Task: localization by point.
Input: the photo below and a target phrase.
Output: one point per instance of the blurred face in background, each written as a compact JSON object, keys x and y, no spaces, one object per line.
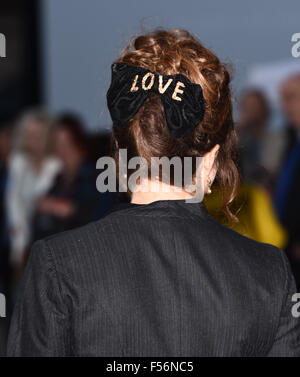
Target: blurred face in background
{"x":34,"y":139}
{"x":290,"y":99}
{"x":253,"y":111}
{"x":66,"y":149}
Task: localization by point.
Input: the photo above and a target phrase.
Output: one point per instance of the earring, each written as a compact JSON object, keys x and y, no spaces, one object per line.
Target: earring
{"x":209,"y":185}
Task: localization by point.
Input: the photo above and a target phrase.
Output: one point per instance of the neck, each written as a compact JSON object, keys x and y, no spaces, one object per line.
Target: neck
{"x":154,"y":191}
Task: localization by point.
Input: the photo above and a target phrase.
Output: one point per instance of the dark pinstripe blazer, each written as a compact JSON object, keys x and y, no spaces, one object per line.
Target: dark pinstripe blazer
{"x":163,"y":279}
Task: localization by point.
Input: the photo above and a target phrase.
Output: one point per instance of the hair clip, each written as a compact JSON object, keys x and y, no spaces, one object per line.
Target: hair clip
{"x":182,"y":100}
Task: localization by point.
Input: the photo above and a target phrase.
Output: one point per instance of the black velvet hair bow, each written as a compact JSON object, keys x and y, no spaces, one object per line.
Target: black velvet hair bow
{"x":182,"y":100}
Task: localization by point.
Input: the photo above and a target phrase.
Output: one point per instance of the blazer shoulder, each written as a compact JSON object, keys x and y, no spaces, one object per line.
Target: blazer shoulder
{"x":79,"y":242}
{"x":248,"y":246}
{"x":66,"y":246}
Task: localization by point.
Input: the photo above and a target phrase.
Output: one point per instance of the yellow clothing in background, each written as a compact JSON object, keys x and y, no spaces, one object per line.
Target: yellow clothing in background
{"x":253,"y":207}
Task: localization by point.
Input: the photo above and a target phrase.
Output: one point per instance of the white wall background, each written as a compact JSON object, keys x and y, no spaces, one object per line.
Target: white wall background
{"x":81,"y":38}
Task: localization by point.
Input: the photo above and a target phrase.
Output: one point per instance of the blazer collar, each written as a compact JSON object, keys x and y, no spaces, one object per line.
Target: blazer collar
{"x":176,"y":207}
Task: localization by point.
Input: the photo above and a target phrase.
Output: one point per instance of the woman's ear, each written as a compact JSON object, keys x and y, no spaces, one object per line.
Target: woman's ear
{"x":209,"y":166}
{"x":209,"y":160}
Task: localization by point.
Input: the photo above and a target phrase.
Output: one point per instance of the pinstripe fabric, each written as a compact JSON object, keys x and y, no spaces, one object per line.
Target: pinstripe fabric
{"x":163,"y":279}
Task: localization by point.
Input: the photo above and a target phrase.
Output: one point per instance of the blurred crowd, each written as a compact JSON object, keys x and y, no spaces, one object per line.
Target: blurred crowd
{"x":271,"y":158}
{"x":268,"y":202}
{"x":48,"y":179}
{"x":47,"y":185}
{"x":270,"y":163}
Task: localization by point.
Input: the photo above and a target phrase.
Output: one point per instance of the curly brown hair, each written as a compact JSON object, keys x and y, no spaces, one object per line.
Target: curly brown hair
{"x":147,"y":135}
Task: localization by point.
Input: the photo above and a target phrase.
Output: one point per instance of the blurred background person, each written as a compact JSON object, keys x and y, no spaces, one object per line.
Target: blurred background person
{"x":252,"y":127}
{"x":261,"y":147}
{"x":73,"y":199}
{"x":32,"y":169}
{"x":287,"y":198}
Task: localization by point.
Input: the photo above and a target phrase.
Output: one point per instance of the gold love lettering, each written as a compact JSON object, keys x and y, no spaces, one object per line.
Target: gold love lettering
{"x":148,"y":82}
